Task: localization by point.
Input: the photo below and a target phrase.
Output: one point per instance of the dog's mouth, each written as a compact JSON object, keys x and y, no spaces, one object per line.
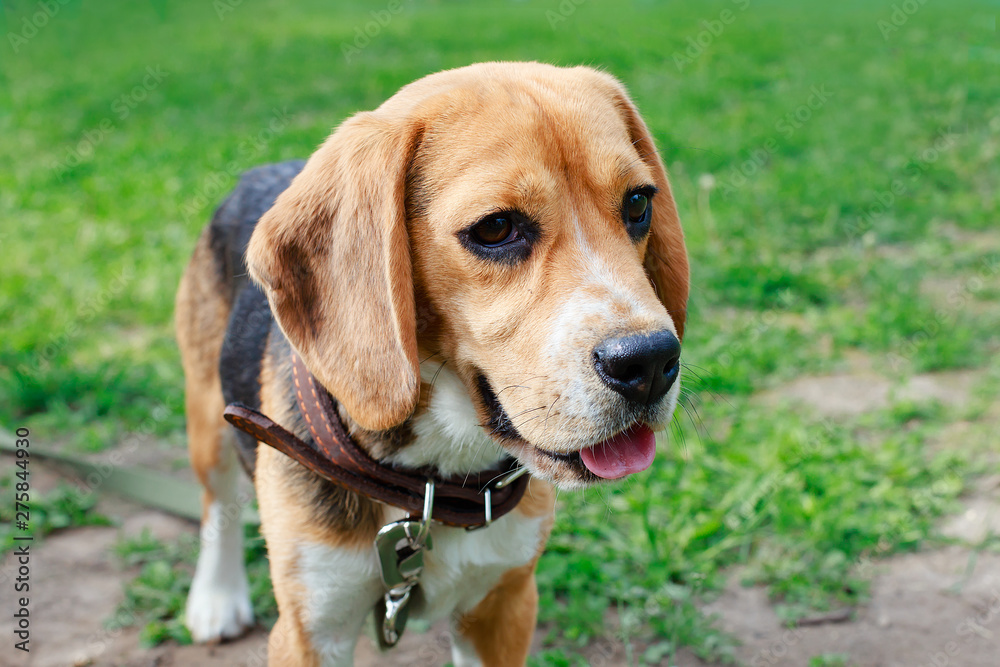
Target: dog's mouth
{"x":629,"y":451}
{"x":499,"y":424}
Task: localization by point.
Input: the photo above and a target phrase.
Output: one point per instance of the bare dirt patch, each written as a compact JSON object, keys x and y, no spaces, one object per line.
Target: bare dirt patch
{"x":860,"y":390}
{"x":941,"y":605}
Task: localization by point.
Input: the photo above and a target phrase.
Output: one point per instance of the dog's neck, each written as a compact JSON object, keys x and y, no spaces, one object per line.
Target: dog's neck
{"x":444,"y":433}
{"x":447,"y":431}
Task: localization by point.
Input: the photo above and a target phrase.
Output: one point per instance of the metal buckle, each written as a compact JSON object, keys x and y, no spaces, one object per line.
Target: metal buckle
{"x":488,"y":511}
{"x":488,"y":491}
{"x":488,"y":507}
{"x":425,"y":522}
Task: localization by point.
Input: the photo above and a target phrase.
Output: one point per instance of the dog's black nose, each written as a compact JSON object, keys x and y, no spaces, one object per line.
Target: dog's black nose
{"x":641,"y":368}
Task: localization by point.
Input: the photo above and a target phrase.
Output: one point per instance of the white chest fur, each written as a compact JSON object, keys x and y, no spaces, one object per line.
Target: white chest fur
{"x":448,"y":434}
{"x":463,"y":566}
{"x":343,"y":583}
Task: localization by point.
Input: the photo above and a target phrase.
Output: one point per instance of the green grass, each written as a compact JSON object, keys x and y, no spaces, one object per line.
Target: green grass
{"x":867,"y":230}
{"x":154,"y":598}
{"x":62,"y":507}
{"x":830,"y":660}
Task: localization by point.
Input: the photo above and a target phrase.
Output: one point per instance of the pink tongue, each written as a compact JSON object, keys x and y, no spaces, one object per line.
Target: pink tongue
{"x":628,"y":452}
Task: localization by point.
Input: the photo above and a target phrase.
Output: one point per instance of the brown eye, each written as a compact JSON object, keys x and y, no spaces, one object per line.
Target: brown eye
{"x":504,"y":237}
{"x":636,"y":206}
{"x":637,"y":209}
{"x":494,"y":230}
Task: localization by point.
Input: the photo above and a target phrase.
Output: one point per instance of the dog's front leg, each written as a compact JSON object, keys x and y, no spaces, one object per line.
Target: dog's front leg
{"x":218,"y":604}
{"x":498,"y":632}
{"x":325,"y":594}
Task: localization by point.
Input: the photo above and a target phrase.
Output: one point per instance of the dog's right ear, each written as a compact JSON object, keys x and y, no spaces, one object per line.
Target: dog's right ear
{"x":333,"y":257}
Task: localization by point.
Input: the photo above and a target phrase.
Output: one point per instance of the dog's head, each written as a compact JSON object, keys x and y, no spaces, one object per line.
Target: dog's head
{"x":513,"y":219}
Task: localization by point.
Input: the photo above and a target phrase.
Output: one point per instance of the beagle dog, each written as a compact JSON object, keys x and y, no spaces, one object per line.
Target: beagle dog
{"x":487,"y":267}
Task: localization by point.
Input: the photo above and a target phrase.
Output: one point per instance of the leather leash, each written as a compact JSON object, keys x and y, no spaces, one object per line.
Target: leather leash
{"x":466,"y":501}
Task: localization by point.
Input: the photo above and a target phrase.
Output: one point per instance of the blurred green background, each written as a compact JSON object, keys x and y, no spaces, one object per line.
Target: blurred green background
{"x":835,"y":166}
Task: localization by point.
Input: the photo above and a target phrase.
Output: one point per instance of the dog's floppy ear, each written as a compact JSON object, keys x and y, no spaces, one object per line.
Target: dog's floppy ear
{"x":666,"y":256}
{"x":333,"y":256}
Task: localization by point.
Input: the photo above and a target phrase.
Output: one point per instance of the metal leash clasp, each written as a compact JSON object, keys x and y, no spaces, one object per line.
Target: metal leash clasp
{"x":400,"y":547}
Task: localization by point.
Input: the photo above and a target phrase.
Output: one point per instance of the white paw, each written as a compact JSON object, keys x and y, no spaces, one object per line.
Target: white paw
{"x":218,"y":610}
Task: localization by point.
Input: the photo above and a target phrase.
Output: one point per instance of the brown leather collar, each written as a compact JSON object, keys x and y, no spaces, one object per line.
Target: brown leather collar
{"x":333,"y":455}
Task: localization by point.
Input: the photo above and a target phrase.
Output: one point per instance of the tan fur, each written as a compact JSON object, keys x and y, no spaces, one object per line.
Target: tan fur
{"x":201,"y":314}
{"x":501,"y":626}
{"x":285,"y":523}
{"x":361,"y":255}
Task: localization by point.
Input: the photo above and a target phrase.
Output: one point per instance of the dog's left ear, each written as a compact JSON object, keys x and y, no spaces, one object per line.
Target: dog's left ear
{"x":333,"y":256}
{"x":666,"y":260}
